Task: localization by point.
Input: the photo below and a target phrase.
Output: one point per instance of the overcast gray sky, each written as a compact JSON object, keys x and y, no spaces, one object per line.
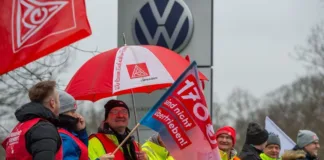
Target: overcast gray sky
{"x":252,"y":41}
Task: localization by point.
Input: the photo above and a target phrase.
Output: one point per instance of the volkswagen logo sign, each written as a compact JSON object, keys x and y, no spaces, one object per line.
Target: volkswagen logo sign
{"x":166,"y":23}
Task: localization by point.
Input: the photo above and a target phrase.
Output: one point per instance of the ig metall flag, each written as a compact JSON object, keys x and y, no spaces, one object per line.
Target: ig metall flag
{"x":182,"y":119}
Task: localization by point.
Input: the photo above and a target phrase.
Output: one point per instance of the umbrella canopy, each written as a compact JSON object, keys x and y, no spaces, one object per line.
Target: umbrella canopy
{"x":125,"y":70}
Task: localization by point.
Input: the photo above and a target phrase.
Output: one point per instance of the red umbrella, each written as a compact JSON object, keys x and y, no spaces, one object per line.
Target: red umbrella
{"x":125,"y":70}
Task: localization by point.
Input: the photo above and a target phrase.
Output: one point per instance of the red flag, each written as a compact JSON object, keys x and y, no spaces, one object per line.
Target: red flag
{"x":182,"y":119}
{"x":202,"y":81}
{"x":31,"y":29}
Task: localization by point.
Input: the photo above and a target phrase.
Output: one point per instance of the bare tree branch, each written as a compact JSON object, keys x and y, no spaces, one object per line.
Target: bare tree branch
{"x":86,"y":51}
{"x":312,"y":54}
{"x":31,"y":73}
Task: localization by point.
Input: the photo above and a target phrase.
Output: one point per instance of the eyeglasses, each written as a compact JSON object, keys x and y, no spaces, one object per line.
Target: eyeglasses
{"x":116,"y":112}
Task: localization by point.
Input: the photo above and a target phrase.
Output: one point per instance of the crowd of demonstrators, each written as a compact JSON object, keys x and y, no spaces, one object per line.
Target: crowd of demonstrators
{"x":50,"y":129}
{"x":261,"y":145}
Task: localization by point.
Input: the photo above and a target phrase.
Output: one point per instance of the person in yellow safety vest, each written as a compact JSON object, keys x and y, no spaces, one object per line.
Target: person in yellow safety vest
{"x":155,"y":149}
{"x":272,"y":149}
{"x":112,"y":132}
{"x":226,"y":138}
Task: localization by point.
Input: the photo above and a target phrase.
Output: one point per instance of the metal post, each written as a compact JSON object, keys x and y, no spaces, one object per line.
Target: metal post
{"x":135,"y":115}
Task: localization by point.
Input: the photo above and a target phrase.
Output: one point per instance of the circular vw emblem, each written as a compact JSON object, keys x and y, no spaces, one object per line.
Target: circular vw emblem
{"x":166,"y":23}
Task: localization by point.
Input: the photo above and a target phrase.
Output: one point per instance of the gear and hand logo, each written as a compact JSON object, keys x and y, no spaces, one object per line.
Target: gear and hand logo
{"x":32,"y":17}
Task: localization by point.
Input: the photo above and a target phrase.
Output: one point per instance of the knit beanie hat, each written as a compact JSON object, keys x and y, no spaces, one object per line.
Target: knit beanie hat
{"x":67,"y":102}
{"x":306,"y":137}
{"x":273,"y":139}
{"x":229,"y":131}
{"x":112,"y":104}
{"x":256,"y":134}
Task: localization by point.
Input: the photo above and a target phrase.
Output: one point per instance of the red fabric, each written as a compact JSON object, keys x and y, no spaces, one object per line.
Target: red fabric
{"x":187,"y":57}
{"x":229,"y":131}
{"x":31,"y":30}
{"x":236,"y":158}
{"x":94,"y":80}
{"x":110,"y":146}
{"x":202,"y":84}
{"x":82,"y":146}
{"x":15,"y":143}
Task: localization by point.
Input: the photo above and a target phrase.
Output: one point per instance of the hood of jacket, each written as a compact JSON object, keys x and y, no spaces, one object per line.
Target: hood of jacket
{"x":294,"y":155}
{"x":35,"y":110}
{"x":308,"y":156}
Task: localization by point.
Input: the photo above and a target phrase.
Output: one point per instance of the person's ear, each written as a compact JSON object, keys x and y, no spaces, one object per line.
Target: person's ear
{"x":52,"y":104}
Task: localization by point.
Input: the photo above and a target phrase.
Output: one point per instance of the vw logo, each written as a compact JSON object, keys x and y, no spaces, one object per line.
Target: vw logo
{"x":166,"y":23}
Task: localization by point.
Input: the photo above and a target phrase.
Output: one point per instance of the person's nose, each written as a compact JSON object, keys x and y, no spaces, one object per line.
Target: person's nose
{"x":223,"y":139}
{"x":119,"y":114}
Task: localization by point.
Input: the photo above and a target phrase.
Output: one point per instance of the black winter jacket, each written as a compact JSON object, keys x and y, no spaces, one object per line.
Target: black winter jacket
{"x":43,"y":139}
{"x":249,"y":153}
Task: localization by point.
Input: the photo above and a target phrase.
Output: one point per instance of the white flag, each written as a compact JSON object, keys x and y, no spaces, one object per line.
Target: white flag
{"x":286,"y":142}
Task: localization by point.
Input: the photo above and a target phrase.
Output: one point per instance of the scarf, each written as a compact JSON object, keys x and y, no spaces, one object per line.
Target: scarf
{"x":68,"y":122}
{"x":129,"y":154}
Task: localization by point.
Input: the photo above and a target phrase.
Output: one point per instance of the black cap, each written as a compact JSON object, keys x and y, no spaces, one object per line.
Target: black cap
{"x":256,"y":134}
{"x":112,"y":104}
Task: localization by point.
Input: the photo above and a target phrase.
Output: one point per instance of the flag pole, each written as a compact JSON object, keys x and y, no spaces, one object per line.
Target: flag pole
{"x":130,"y":133}
{"x":124,"y":39}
